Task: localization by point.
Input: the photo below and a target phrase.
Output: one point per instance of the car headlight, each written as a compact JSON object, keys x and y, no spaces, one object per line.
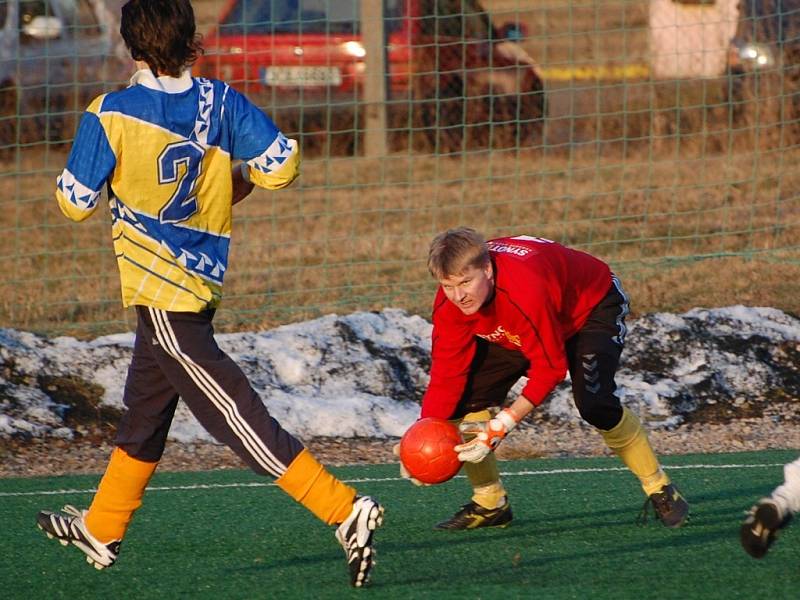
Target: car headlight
{"x":757,"y":55}
{"x":355,"y":49}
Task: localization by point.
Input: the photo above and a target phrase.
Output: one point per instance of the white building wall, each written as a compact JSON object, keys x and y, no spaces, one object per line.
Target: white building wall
{"x":691,"y":40}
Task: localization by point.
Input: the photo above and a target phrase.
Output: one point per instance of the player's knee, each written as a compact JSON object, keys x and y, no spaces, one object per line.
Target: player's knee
{"x":601,"y":415}
{"x":143,"y":451}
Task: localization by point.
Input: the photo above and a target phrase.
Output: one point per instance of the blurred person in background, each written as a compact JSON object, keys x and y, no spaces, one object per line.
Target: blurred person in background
{"x":164,"y":148}
{"x":108,"y":11}
{"x":528,"y":307}
{"x":769,"y":515}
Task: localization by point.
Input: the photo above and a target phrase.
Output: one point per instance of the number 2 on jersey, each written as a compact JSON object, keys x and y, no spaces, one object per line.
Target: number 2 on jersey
{"x":183,"y":203}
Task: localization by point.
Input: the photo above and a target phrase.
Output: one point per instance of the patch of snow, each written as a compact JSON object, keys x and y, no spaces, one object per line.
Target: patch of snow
{"x":363,"y":374}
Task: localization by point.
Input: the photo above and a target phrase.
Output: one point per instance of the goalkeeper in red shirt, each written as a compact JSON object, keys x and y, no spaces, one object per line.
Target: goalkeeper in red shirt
{"x":527,"y":306}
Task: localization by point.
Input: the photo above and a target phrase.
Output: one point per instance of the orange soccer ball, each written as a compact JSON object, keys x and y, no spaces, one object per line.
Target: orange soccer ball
{"x":426,"y":450}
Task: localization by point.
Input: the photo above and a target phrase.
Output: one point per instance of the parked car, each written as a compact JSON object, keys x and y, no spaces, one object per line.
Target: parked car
{"x":707,"y":38}
{"x":764,"y":64}
{"x":767,"y":35}
{"x":445,"y":58}
{"x":55,"y":56}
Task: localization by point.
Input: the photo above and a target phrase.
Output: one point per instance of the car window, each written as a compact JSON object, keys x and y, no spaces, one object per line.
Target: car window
{"x":29,"y":10}
{"x":302,"y":16}
{"x":770,"y":21}
{"x":455,"y":18}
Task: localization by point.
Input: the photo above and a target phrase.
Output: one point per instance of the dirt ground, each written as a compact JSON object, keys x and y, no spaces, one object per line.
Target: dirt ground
{"x":89,"y":455}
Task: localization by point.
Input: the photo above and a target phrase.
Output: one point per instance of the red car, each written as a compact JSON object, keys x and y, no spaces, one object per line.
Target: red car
{"x":444,"y":58}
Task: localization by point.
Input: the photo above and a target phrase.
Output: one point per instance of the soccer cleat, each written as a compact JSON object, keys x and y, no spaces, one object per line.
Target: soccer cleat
{"x":68,"y":528}
{"x":473,"y":516}
{"x":760,"y":530}
{"x":669,"y":506}
{"x":355,"y":535}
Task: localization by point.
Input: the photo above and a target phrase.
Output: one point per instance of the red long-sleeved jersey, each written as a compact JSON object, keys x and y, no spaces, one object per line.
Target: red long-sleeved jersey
{"x":544,"y":293}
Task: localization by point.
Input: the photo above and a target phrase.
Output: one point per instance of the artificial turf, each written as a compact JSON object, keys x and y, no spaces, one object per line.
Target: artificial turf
{"x":229,"y":534}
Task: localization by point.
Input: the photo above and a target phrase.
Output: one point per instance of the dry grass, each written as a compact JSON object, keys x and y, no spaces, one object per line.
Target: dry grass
{"x":682,"y":230}
{"x":693,"y":199}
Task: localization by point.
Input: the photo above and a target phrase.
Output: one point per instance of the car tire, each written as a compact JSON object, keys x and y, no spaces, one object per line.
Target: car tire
{"x":9,"y":121}
{"x":501,"y":121}
{"x":439,"y":113}
{"x":505,"y":121}
{"x":59,"y":119}
{"x":442,"y":123}
{"x":533,"y":111}
{"x":502,"y":124}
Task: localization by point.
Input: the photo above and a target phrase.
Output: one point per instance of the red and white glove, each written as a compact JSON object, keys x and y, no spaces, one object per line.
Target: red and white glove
{"x":488,"y":435}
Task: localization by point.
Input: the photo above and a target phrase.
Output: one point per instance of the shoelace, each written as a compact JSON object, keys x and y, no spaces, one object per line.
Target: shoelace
{"x":72,"y":511}
{"x":660,"y":502}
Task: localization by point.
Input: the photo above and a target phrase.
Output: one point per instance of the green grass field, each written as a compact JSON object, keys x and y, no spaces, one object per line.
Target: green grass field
{"x":228,"y":534}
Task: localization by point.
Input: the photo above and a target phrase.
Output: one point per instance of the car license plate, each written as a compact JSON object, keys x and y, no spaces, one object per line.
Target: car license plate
{"x":303,"y":76}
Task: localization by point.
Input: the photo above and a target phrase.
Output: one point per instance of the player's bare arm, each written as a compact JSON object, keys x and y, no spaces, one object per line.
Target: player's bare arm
{"x":242,"y":186}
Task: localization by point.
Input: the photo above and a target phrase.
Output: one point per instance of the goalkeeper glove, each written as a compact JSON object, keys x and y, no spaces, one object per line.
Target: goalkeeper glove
{"x":403,"y":471}
{"x":488,"y":435}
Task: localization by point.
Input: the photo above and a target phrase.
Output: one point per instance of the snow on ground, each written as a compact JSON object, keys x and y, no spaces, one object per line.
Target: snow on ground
{"x":362,"y":375}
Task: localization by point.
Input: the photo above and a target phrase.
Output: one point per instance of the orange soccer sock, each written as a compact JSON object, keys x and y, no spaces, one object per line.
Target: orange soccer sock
{"x":310,"y":484}
{"x":118,"y":496}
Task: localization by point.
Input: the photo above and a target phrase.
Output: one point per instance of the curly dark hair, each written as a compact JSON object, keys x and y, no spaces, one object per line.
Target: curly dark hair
{"x":161,"y":33}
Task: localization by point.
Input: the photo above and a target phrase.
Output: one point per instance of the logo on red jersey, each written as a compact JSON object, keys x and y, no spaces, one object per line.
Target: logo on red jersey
{"x":509,"y":249}
{"x":498,"y":334}
{"x":516,"y":249}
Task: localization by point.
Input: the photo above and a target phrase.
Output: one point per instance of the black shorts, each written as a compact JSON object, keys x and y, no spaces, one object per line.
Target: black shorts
{"x":592,"y":356}
{"x":175,"y":355}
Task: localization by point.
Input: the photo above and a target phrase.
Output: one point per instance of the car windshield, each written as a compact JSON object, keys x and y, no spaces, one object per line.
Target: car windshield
{"x":771,"y":21}
{"x":302,"y":16}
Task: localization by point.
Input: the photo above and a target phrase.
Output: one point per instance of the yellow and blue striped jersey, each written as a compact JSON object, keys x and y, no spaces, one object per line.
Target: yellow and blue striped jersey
{"x":165,"y":146}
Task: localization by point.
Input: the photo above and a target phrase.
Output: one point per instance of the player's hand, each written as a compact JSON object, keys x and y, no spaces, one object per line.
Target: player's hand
{"x":403,"y":471}
{"x":487,"y":436}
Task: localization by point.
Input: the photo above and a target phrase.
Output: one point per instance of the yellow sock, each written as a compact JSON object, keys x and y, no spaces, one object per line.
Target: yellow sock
{"x":488,"y":490}
{"x":310,"y":484}
{"x":628,"y":440}
{"x":118,"y":496}
{"x":490,"y":496}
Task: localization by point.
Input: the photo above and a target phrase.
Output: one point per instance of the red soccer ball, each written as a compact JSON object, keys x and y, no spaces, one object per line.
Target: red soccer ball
{"x":426,"y":450}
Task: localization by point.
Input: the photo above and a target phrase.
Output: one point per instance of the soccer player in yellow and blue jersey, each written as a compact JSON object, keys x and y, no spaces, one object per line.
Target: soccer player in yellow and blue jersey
{"x":165,"y":149}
